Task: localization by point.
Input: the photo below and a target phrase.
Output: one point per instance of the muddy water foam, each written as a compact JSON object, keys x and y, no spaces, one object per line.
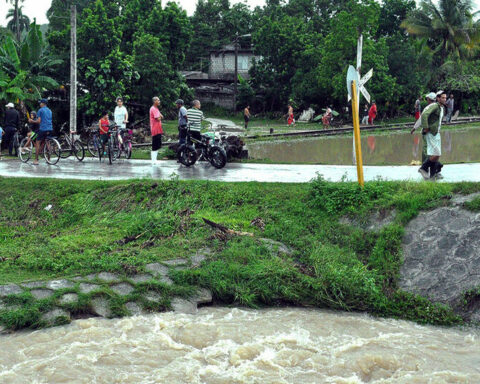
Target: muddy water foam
{"x":220,"y":345}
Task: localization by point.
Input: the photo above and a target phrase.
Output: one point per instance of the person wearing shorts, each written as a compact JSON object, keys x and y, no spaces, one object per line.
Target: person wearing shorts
{"x":44,"y":119}
{"x":246,"y":116}
{"x":431,"y":123}
{"x":103,"y":127}
{"x":156,"y":128}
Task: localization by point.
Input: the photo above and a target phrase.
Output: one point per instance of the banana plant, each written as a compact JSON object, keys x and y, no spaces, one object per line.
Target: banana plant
{"x":24,"y":69}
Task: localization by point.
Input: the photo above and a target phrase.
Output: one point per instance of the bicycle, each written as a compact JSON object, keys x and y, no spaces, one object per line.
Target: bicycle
{"x":112,"y":144}
{"x":25,"y":151}
{"x":93,"y":144}
{"x":124,"y":139}
{"x":70,"y":145}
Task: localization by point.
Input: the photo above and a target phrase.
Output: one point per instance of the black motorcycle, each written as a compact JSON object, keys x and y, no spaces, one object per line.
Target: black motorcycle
{"x":201,"y":147}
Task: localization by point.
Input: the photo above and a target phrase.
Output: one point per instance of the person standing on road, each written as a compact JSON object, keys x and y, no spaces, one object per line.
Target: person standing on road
{"x":431,"y":123}
{"x":246,"y":116}
{"x":291,"y":117}
{"x":120,"y":115}
{"x":430,"y":99}
{"x":450,"y":106}
{"x":156,"y":128}
{"x":195,"y":117}
{"x":372,"y":113}
{"x":44,"y":119}
{"x":418,"y":108}
{"x":182,"y":121}
{"x":11,"y":123}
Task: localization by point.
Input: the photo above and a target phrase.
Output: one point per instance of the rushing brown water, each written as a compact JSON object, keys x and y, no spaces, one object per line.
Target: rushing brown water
{"x":458,"y":146}
{"x":220,"y":345}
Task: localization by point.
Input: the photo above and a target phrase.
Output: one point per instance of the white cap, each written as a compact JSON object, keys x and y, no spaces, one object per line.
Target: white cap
{"x":432,"y":96}
{"x":10,"y":105}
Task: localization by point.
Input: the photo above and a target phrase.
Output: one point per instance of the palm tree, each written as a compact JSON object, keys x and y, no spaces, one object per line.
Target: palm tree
{"x":24,"y":68}
{"x":17,"y":20}
{"x":448,"y":27}
{"x":23,"y":20}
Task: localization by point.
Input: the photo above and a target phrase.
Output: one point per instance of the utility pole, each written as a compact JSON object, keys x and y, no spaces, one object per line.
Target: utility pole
{"x":236,"y":75}
{"x":73,"y":67}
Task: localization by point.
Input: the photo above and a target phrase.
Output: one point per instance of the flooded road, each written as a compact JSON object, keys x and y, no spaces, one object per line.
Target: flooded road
{"x":222,"y":345}
{"x":458,"y":146}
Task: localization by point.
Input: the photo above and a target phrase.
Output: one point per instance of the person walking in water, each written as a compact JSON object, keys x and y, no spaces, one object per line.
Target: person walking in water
{"x":156,"y":128}
{"x":291,"y":118}
{"x":246,"y":116}
{"x":431,"y":123}
{"x":430,"y":99}
{"x":372,"y":113}
{"x":450,"y":106}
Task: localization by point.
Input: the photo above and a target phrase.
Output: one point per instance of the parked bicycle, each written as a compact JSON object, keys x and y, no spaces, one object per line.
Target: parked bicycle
{"x":93,"y":143}
{"x":124,"y":139}
{"x":201,"y":147}
{"x":112,"y":146}
{"x":70,"y":145}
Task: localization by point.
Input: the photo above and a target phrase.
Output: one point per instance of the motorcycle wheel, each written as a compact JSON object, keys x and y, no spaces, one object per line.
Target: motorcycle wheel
{"x":187,"y":155}
{"x":218,"y":157}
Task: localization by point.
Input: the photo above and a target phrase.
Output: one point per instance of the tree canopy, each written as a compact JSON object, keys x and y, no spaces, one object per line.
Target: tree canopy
{"x":137,"y":48}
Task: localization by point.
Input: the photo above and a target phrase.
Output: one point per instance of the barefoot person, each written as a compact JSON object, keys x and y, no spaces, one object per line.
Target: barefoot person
{"x":431,"y":123}
{"x":246,"y":116}
{"x":156,"y":128}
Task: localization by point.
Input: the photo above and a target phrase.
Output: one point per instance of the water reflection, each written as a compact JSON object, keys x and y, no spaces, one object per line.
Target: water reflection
{"x":458,"y":146}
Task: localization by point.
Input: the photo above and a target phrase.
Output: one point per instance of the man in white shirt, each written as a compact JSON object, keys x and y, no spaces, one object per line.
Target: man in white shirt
{"x":120,"y":115}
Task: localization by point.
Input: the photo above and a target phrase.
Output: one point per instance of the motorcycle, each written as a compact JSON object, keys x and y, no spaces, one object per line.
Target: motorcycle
{"x":201,"y":147}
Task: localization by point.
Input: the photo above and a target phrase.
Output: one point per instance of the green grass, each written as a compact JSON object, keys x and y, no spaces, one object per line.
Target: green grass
{"x":333,"y":265}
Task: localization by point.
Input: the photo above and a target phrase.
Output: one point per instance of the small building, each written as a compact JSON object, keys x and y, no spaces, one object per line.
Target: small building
{"x":217,"y":86}
{"x":222,"y":62}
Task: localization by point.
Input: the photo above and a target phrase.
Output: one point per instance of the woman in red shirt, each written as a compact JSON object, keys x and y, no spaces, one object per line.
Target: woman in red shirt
{"x":372,"y":113}
{"x":156,"y":128}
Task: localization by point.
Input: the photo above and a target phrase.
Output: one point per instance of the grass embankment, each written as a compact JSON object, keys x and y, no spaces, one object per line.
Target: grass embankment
{"x":333,"y":265}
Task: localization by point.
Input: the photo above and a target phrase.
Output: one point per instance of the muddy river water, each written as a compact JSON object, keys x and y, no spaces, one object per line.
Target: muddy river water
{"x":224,"y":345}
{"x":458,"y":146}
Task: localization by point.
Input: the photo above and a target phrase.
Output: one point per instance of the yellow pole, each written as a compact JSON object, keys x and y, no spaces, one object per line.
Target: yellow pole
{"x":356,"y":132}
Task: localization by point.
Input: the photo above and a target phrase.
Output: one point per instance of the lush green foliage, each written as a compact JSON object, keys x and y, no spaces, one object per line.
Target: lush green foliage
{"x":136,"y":48}
{"x":25,"y":68}
{"x":333,"y":264}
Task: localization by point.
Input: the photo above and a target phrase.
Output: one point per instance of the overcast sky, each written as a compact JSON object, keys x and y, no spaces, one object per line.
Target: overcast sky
{"x":38,"y":8}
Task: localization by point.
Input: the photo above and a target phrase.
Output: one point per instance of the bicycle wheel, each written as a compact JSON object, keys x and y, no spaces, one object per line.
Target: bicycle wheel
{"x":110,"y":153}
{"x":65,"y":147}
{"x":78,"y":150}
{"x":92,"y":146}
{"x":25,"y":152}
{"x":52,"y":152}
{"x":128,"y":149}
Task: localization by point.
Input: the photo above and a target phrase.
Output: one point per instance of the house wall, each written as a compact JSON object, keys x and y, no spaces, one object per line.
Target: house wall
{"x":223,"y":65}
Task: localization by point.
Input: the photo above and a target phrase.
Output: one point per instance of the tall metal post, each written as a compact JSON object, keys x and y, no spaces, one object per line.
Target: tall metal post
{"x":73,"y":67}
